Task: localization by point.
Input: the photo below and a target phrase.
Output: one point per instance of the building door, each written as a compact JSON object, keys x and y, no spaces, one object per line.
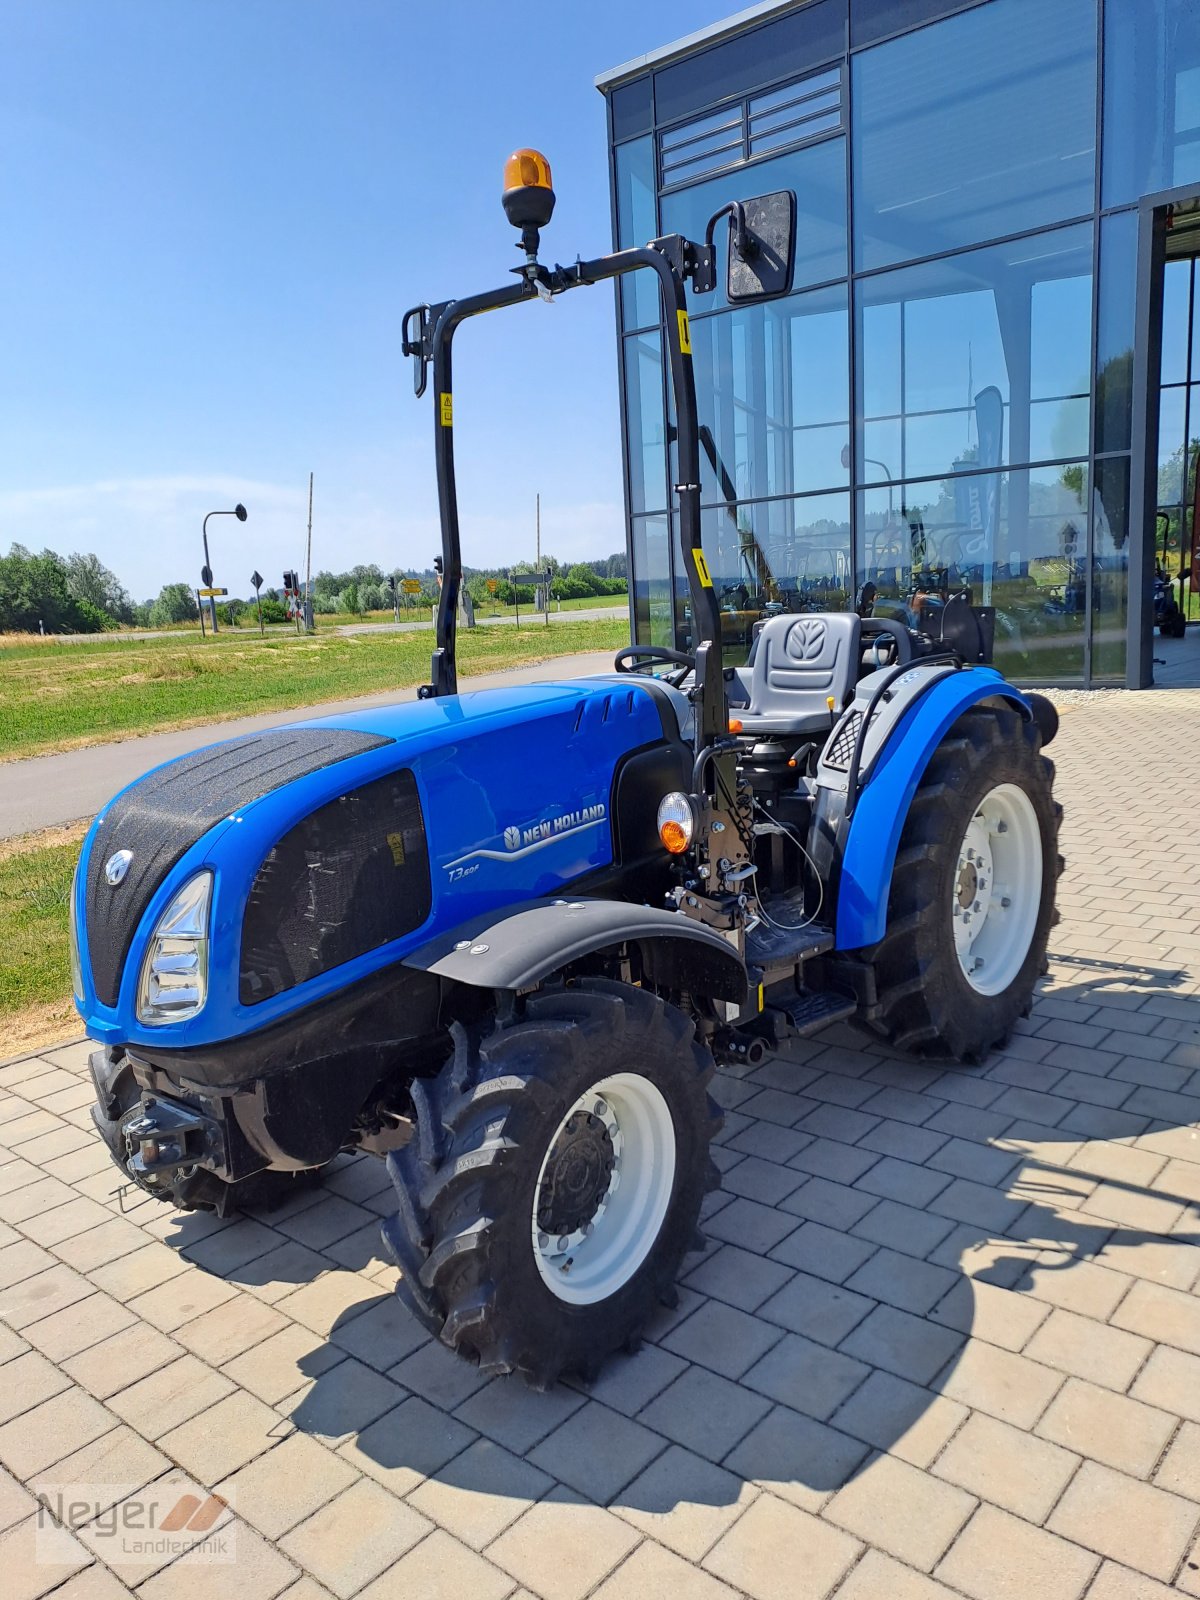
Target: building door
{"x":1167,"y":425}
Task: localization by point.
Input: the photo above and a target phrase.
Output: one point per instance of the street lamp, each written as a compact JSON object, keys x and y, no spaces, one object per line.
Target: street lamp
{"x":873,"y":462}
{"x":239,"y":511}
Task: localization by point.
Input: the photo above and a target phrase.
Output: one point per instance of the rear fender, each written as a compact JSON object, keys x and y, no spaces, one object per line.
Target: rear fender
{"x":910,"y":730}
{"x":517,"y":947}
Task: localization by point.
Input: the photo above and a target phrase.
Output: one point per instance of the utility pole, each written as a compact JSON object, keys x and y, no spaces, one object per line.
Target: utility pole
{"x":308,"y":610}
{"x":545,"y":587}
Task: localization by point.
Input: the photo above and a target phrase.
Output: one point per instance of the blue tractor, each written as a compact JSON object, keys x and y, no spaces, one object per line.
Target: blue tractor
{"x":500,"y":938}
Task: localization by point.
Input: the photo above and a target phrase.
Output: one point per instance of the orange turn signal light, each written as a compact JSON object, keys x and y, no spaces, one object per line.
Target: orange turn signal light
{"x":675,"y":837}
{"x":734,"y":725}
{"x":527,"y":169}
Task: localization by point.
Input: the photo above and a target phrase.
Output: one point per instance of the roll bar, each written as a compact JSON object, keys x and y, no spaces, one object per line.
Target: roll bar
{"x":429,"y":335}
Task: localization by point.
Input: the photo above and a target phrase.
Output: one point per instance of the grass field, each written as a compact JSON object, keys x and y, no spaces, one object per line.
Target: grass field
{"x":57,"y":696}
{"x":35,"y":979}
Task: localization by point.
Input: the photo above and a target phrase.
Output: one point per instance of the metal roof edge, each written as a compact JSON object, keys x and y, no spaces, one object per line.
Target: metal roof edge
{"x":681,"y":47}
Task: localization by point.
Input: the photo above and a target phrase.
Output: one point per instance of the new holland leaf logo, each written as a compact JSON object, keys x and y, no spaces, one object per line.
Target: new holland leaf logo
{"x":519,"y":841}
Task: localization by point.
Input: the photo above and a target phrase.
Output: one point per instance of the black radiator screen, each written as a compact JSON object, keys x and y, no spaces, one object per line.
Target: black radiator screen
{"x":349,"y":878}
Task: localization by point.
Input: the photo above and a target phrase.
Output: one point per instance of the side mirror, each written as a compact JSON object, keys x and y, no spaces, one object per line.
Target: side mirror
{"x":413,"y":334}
{"x":762,"y":247}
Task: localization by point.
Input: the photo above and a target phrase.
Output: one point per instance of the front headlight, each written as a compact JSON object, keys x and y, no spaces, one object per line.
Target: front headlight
{"x":174,"y":981}
{"x":676,"y":821}
{"x":73,"y":926}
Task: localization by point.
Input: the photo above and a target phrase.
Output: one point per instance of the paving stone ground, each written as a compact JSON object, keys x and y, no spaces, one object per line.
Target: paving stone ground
{"x":944,"y":1338}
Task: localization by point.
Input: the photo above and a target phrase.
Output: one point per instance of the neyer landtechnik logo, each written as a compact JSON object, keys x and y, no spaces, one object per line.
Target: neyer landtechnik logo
{"x":130,"y":1524}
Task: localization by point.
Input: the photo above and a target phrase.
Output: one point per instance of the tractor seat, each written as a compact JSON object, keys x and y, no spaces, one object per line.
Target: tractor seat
{"x":796,"y":665}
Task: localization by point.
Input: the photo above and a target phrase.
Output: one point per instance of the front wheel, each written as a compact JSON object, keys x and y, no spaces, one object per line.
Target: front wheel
{"x":555,"y":1179}
{"x":972,"y":896}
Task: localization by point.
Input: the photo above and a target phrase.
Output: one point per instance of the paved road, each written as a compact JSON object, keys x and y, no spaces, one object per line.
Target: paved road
{"x":49,"y":790}
{"x":324,"y":625}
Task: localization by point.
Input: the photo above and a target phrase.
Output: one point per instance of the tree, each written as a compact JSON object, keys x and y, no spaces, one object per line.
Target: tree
{"x":34,"y":594}
{"x":583,"y":575}
{"x":373,"y":597}
{"x":90,"y":580}
{"x":176,"y":603}
{"x":349,"y":600}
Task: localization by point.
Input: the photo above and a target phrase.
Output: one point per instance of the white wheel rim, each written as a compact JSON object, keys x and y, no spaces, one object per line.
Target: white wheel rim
{"x":604,"y":1250}
{"x":996,"y":892}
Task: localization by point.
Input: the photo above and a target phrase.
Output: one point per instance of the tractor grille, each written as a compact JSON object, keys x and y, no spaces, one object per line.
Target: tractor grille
{"x":161,"y":817}
{"x":352,"y":876}
{"x":841,"y":745}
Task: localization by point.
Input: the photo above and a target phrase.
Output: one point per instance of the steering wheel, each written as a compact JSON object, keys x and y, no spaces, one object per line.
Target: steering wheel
{"x":638,"y":657}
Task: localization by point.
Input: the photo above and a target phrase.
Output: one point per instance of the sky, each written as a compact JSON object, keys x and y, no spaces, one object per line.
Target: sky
{"x":217,"y":212}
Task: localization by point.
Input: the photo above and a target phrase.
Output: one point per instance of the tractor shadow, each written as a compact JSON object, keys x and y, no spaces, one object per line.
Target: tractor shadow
{"x":797,"y":1379}
{"x":792,"y":1359}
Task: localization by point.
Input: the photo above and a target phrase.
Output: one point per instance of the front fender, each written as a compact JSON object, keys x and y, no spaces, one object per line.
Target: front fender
{"x":869,"y":851}
{"x":520,"y":946}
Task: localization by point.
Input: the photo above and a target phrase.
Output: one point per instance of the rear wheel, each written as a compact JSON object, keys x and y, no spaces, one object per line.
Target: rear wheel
{"x":972,"y":896}
{"x":555,"y":1179}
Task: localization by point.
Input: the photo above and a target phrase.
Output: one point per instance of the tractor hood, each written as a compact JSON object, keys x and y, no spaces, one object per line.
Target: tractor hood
{"x":332,"y":847}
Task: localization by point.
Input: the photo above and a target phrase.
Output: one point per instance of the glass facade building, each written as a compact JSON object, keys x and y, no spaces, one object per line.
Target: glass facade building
{"x":989,"y":358}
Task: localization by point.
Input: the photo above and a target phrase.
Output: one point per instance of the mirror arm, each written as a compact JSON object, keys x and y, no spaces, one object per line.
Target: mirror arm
{"x":744,"y":245}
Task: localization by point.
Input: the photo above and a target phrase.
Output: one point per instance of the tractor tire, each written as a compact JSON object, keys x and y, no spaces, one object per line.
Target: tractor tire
{"x":972,"y":896}
{"x":197,"y":1190}
{"x":554,"y":1181}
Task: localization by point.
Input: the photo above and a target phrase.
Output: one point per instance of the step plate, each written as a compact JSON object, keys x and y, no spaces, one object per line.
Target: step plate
{"x":771,"y":946}
{"x":809,"y":1012}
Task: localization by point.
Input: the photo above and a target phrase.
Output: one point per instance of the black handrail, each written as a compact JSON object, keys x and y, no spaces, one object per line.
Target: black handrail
{"x":534,"y":279}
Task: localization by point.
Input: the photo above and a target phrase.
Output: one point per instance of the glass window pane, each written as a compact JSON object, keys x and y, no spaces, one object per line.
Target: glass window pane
{"x":653,"y":612}
{"x":777,"y":555}
{"x":1110,"y":564}
{"x":982,"y":356}
{"x":816,"y":175}
{"x":772,"y":387}
{"x":819,"y":83}
{"x":644,"y":423}
{"x":631,"y":111}
{"x":1151,"y":90}
{"x":871,"y":20}
{"x":701,"y":130}
{"x":980,"y":125}
{"x":1018,"y":538}
{"x":1114,"y":352}
{"x":809,"y":36}
{"x":636,"y":225}
{"x":1177,"y":296}
{"x":1172,"y":420}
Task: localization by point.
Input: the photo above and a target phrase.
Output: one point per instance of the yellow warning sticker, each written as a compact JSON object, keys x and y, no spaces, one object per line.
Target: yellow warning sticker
{"x":685,"y":333}
{"x":396,"y":846}
{"x":702,"y":569}
{"x":760,"y":997}
{"x":446,"y":410}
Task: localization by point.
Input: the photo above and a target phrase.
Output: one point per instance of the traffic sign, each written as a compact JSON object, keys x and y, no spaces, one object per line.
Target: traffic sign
{"x":211,"y":594}
{"x":493,"y":584}
{"x":411,"y":585}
